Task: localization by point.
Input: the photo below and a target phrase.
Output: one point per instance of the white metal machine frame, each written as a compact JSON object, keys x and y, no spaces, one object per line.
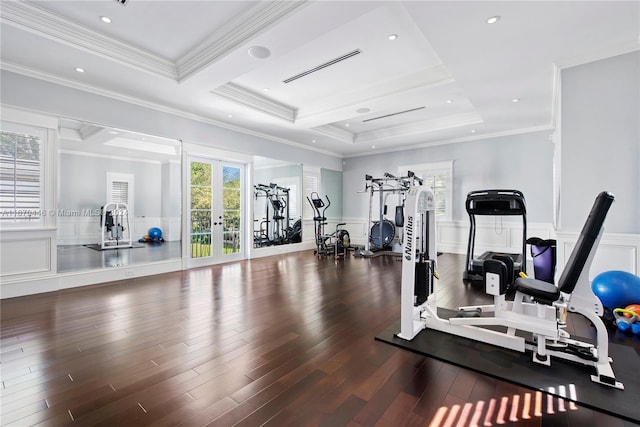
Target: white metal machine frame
{"x":115,"y":228}
{"x":544,"y":323}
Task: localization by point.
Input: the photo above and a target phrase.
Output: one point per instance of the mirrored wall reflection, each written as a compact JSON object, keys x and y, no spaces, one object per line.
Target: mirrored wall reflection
{"x":277,"y":202}
{"x":119,"y":197}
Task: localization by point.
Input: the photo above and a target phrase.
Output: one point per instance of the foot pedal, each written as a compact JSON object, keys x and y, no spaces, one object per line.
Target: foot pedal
{"x":477,"y":312}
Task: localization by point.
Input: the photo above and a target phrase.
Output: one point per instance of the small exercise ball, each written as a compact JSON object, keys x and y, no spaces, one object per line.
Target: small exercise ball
{"x":616,"y":288}
{"x":155,"y":233}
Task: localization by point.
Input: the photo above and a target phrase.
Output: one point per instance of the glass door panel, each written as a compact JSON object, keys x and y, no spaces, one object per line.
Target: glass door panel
{"x":231,"y":194}
{"x":216,"y":211}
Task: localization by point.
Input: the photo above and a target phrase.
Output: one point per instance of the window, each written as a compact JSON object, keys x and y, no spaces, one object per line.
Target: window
{"x":311,"y":185}
{"x":21,"y":175}
{"x":120,"y":189}
{"x":292,"y":184}
{"x":438,"y":176}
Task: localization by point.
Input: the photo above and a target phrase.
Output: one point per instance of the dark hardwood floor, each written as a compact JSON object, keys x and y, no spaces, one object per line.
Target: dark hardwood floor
{"x":279,"y":341}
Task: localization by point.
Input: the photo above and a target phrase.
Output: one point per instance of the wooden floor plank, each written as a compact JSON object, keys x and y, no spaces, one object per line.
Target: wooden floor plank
{"x":286,"y":340}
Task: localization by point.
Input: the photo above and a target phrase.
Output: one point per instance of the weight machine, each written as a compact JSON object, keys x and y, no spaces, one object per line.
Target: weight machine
{"x":538,"y":311}
{"x":114,"y":226}
{"x":337,"y":242}
{"x":381,"y":233}
{"x":275,"y":228}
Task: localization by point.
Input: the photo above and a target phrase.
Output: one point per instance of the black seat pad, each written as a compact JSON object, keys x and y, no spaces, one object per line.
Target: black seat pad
{"x":538,"y":289}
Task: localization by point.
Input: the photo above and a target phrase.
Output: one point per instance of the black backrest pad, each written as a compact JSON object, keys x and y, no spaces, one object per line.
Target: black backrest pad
{"x":585,"y":242}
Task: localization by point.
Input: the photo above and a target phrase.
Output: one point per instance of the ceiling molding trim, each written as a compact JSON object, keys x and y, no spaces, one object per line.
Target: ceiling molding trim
{"x":157,"y":107}
{"x":138,"y":159}
{"x":53,"y":27}
{"x":609,"y":52}
{"x":336,"y":132}
{"x":454,"y":140}
{"x":448,"y":122}
{"x":250,"y":99}
{"x":234,"y":33}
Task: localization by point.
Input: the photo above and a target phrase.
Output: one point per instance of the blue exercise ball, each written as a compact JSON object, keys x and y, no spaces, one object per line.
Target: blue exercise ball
{"x":616,"y":288}
{"x":154,"y":233}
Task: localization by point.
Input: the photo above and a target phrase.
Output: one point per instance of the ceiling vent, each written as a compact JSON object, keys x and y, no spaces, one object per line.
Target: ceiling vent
{"x":122,"y":2}
{"x":393,"y":114}
{"x":324,"y":65}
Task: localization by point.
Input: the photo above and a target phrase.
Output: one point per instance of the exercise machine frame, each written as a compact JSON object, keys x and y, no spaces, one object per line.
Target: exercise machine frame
{"x":337,"y":242}
{"x":539,"y":309}
{"x":389,"y":184}
{"x":114,"y":226}
{"x":494,"y":203}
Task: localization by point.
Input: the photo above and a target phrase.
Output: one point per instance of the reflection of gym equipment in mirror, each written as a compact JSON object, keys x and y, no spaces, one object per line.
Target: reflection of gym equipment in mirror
{"x":494,"y":203}
{"x":115,"y":229}
{"x":336,"y":243}
{"x":381,"y":233}
{"x":534,"y":321}
{"x":274,"y":228}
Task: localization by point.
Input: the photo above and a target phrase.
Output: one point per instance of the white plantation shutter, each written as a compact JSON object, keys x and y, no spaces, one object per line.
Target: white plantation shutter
{"x":292,"y":184}
{"x":120,"y":192}
{"x":21,"y":173}
{"x":311,"y":185}
{"x":120,"y":189}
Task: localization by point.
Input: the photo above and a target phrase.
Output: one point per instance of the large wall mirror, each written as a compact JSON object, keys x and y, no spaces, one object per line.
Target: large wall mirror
{"x":277,"y":202}
{"x":119,"y":197}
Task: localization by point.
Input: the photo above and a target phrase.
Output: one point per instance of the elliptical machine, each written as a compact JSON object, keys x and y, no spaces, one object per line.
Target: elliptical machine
{"x":337,"y":242}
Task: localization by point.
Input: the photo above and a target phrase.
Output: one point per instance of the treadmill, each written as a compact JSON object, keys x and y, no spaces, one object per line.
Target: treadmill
{"x":494,"y":203}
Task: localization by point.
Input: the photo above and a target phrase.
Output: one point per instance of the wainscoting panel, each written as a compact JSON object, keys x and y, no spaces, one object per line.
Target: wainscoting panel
{"x":82,"y":230}
{"x":27,"y":253}
{"x":453,"y":235}
{"x":615,"y":252}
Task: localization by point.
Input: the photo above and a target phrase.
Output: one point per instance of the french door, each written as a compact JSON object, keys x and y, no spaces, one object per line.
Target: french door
{"x":216,"y":211}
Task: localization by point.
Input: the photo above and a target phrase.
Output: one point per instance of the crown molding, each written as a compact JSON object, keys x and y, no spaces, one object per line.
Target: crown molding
{"x":424,"y":126}
{"x":448,"y":141}
{"x":250,"y":99}
{"x":336,"y":132}
{"x":155,"y":106}
{"x":608,"y":52}
{"x":53,"y":27}
{"x":234,"y":33}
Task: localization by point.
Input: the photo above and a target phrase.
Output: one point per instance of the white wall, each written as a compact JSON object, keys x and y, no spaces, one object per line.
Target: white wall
{"x":523,"y":162}
{"x":601,"y":141}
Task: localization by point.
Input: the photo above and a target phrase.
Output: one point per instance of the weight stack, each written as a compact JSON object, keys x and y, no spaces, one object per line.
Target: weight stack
{"x":420,"y":289}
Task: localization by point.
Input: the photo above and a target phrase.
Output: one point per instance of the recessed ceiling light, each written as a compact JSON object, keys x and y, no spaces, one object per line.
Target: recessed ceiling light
{"x":373,"y":146}
{"x":493,"y":19}
{"x":347,"y":124}
{"x":515,"y":100}
{"x":105,"y":19}
{"x":392,"y":36}
{"x":259,"y":52}
{"x":473,"y":131}
{"x":266,"y":89}
{"x":80,"y":70}
{"x":229,"y":115}
{"x":313,"y":140}
{"x":449,"y":101}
